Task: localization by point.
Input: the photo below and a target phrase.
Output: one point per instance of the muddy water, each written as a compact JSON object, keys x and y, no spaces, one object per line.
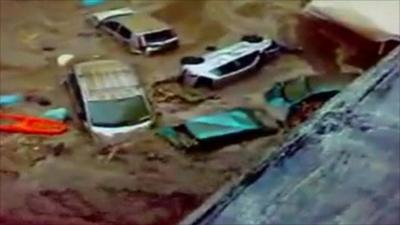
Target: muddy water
{"x":147,"y":182}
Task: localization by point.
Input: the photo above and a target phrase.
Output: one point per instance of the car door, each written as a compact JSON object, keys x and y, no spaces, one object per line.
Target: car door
{"x":239,"y":65}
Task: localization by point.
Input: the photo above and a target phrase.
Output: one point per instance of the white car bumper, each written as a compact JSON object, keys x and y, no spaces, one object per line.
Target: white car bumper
{"x":107,"y":135}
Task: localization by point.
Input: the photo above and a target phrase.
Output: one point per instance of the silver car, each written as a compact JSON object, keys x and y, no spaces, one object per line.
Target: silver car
{"x":139,"y":31}
{"x":108,"y":99}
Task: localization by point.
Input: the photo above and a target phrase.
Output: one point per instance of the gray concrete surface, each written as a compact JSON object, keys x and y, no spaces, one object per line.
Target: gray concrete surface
{"x":343,"y":167}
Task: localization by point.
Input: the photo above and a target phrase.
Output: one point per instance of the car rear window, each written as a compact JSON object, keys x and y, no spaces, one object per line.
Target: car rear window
{"x":158,"y":36}
{"x":117,"y":113}
{"x":235,"y":65}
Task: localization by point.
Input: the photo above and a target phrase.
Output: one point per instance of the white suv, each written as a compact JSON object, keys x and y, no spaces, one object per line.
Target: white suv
{"x":142,"y":33}
{"x":216,"y":68}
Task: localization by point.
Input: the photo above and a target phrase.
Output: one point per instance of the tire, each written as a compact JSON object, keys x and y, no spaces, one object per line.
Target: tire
{"x":203,"y":82}
{"x":211,"y":48}
{"x":179,"y":80}
{"x":191,"y":60}
{"x":252,"y":38}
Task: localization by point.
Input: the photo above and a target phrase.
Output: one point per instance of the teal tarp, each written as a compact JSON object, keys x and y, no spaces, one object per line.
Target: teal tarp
{"x":222,"y":123}
{"x":204,"y":128}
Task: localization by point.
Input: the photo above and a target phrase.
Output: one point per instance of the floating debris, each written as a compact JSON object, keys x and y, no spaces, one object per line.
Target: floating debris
{"x":61,"y":114}
{"x":64,"y":59}
{"x":289,"y":96}
{"x":210,"y":131}
{"x":31,"y":125}
{"x":57,"y":149}
{"x":13,"y":99}
{"x":171,"y":91}
{"x":41,"y":100}
{"x":48,"y":48}
{"x":90,"y":3}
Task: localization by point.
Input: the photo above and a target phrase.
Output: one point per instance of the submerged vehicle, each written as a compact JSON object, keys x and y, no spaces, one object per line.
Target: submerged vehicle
{"x":139,"y":31}
{"x":223,"y":65}
{"x":108,"y":98}
{"x":305,"y":94}
{"x":216,"y":129}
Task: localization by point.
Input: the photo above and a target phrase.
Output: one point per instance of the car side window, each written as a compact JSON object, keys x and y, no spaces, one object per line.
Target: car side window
{"x":77,"y":94}
{"x":112,"y":25}
{"x":125,"y":33}
{"x":236,"y":64}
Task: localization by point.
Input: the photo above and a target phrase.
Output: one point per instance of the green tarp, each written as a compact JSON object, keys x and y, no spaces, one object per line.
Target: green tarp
{"x":202,"y":129}
{"x":223,"y":123}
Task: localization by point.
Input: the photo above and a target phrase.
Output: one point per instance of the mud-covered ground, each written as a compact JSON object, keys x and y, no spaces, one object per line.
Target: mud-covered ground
{"x":67,"y":179}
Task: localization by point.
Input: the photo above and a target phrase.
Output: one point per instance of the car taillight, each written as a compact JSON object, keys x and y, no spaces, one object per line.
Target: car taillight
{"x":142,"y":42}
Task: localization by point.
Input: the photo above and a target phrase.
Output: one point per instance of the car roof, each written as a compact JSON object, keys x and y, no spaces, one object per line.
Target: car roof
{"x":225,"y":55}
{"x":106,"y":80}
{"x":140,"y":22}
{"x":100,"y":16}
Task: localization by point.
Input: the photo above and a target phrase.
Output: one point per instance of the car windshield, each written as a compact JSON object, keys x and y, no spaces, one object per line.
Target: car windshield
{"x":158,"y":36}
{"x":235,"y":65}
{"x":121,"y":112}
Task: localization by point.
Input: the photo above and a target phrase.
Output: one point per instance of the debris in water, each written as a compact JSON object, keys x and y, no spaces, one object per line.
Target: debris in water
{"x":31,"y":125}
{"x":113,"y":151}
{"x":213,"y":130}
{"x":170,"y":91}
{"x":89,"y":3}
{"x":48,"y":48}
{"x":57,"y":114}
{"x":290,"y":95}
{"x":6,"y":100}
{"x":57,"y":149}
{"x":64,"y":59}
{"x":304,"y":109}
{"x":211,"y":48}
{"x":41,"y":100}
{"x":9,"y":173}
{"x":152,"y":156}
{"x":89,"y":34}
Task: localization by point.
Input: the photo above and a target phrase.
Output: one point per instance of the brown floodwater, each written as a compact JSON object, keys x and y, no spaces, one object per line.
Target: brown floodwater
{"x":147,"y":182}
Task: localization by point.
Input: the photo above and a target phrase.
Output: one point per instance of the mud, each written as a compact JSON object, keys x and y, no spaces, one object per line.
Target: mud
{"x":146,"y":181}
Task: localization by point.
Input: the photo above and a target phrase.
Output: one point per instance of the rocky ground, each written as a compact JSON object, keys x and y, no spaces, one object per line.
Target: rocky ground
{"x":68,"y":179}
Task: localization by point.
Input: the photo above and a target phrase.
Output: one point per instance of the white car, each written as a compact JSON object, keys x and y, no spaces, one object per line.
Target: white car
{"x":220,"y":66}
{"x":139,"y":31}
{"x":109,"y":99}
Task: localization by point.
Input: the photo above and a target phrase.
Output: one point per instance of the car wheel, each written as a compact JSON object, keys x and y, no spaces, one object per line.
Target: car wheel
{"x":211,"y":48}
{"x":191,"y":60}
{"x":252,"y":38}
{"x":203,"y":82}
{"x":179,"y":79}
